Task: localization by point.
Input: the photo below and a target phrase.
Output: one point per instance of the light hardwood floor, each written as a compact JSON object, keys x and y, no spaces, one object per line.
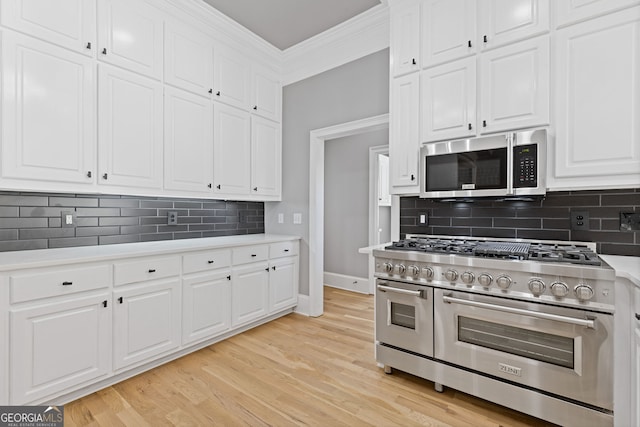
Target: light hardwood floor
{"x":292,"y":371}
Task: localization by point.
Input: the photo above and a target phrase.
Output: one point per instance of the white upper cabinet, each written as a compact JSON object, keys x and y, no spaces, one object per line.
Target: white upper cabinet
{"x":67,"y":23}
{"x":266,"y":157}
{"x":231,"y":150}
{"x":232,"y":78}
{"x":568,"y":12}
{"x":130,"y":129}
{"x":514,"y":88}
{"x":506,"y":21}
{"x":448,"y":98}
{"x":405,"y":38}
{"x":404,"y":143}
{"x":130,"y":36}
{"x":188,"y":142}
{"x":266,"y":93}
{"x":188,"y":59}
{"x":48,"y":112}
{"x":598,"y":102}
{"x":448,"y":30}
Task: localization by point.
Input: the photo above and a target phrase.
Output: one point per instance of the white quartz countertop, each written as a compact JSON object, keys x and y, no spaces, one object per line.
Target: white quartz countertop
{"x":369,"y":249}
{"x":51,"y":257}
{"x":625,"y":266}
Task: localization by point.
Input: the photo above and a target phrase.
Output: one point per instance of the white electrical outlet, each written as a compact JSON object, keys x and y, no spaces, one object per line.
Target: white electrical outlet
{"x":280,"y":218}
{"x":297,"y":218}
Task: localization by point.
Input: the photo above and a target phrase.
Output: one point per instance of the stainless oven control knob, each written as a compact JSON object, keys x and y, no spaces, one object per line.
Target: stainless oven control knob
{"x":400,"y":268}
{"x":467,"y":277}
{"x":388,"y":267}
{"x":536,"y":286}
{"x":414,"y":271}
{"x":583,"y":292}
{"x":504,"y":282}
{"x":427,"y":272}
{"x":559,"y":289}
{"x":485,"y":279}
{"x":451,"y":275}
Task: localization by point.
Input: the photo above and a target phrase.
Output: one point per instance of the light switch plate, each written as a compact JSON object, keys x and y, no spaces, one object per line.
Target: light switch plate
{"x":280,"y":218}
{"x":297,"y":218}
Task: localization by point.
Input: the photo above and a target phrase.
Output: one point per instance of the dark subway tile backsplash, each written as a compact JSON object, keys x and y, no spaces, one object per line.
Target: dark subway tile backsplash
{"x":33,"y":221}
{"x":546,"y":218}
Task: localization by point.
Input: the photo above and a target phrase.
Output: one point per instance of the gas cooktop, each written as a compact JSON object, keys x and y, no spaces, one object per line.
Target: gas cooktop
{"x":559,"y":252}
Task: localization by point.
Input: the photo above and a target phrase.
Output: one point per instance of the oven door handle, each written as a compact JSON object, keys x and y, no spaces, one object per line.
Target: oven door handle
{"x":400,"y":291}
{"x":588,"y":323}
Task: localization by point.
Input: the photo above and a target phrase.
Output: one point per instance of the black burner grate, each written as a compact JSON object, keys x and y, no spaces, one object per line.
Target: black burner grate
{"x":515,"y":250}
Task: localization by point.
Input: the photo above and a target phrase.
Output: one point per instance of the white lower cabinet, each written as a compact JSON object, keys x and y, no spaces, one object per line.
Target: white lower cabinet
{"x":59,"y":345}
{"x":205,"y":305}
{"x":249,"y":292}
{"x":146,"y":321}
{"x":69,"y":325}
{"x":635,"y":378}
{"x":283,"y":283}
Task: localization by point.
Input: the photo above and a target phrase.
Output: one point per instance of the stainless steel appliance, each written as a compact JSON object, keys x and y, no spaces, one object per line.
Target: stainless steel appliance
{"x":505,"y":165}
{"x":526,"y":324}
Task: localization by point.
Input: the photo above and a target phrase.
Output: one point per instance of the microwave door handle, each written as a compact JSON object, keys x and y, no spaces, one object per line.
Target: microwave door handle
{"x":510,"y":166}
{"x":587,"y":323}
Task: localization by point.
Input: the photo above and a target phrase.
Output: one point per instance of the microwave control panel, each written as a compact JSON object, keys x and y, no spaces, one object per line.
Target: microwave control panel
{"x":525,"y":166}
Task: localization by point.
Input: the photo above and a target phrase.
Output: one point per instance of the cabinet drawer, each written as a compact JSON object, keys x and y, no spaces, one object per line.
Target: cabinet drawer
{"x":280,"y":249}
{"x":247,"y":254}
{"x":51,"y":282}
{"x":146,"y":269}
{"x":208,"y":260}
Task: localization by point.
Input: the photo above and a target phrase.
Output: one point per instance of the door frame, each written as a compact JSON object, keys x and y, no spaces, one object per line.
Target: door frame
{"x":317,"y":140}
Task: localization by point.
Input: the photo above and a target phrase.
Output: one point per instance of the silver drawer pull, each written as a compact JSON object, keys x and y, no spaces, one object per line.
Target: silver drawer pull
{"x":546,"y":316}
{"x":400,"y":291}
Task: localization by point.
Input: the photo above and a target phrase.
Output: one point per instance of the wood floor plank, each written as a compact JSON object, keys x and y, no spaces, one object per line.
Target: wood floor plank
{"x":294,"y":371}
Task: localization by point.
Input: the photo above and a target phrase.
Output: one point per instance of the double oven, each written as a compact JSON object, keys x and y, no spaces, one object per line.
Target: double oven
{"x":534,"y":336}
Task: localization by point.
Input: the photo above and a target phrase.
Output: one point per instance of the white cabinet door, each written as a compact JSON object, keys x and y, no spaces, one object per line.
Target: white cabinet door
{"x":635,"y":374}
{"x":231,"y":150}
{"x":231,"y":78}
{"x":405,"y":38}
{"x":266,"y":157}
{"x":266,"y":92}
{"x":130,"y":129}
{"x":146,"y":321}
{"x":48,"y":112}
{"x":568,"y":12}
{"x":67,"y":23}
{"x":188,"y":142}
{"x":404,"y":143}
{"x":506,"y":21}
{"x":283,"y":284}
{"x":598,"y":100}
{"x":249,"y":293}
{"x":130,"y":36}
{"x":57,"y":346}
{"x":188,"y":59}
{"x":448,"y":98}
{"x":448,"y":30}
{"x":206,"y":305}
{"x":514,"y":86}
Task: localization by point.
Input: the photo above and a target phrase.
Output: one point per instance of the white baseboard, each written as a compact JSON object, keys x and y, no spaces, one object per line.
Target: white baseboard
{"x":303,"y":305}
{"x":349,"y":283}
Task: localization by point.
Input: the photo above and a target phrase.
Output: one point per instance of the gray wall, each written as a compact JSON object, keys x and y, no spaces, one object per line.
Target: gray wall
{"x":346,"y":202}
{"x":353,"y":91}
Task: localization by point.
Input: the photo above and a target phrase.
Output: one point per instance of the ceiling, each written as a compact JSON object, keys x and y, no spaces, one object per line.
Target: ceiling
{"x":285,"y":23}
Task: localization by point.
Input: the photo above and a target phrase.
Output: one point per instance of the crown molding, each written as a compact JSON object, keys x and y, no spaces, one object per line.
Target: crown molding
{"x":360,"y":36}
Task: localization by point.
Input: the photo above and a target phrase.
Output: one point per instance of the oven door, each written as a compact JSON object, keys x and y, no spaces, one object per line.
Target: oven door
{"x":404,"y":316}
{"x":564,"y":351}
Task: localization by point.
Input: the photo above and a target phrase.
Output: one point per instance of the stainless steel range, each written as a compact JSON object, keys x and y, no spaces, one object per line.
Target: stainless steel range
{"x":526,"y":324}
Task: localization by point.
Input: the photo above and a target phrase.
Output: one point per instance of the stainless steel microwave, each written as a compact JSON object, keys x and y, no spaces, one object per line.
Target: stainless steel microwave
{"x":510,"y":164}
